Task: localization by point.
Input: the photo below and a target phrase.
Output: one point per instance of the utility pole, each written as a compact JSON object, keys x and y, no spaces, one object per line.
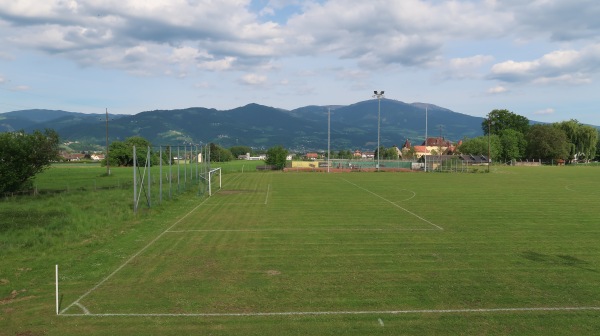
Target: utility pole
{"x":378,"y":96}
{"x":328,"y":137}
{"x":425,"y":168}
{"x":489,"y":143}
{"x":107,"y":162}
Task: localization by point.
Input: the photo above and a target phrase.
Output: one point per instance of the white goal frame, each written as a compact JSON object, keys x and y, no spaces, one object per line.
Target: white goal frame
{"x":210,"y":175}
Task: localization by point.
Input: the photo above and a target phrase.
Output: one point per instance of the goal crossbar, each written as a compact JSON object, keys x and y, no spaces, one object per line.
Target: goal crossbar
{"x":210,"y":176}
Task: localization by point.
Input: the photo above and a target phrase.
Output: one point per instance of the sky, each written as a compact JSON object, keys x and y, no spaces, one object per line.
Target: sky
{"x":537,"y":58}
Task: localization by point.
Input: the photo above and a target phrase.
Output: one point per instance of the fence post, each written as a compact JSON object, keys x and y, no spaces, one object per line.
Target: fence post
{"x":160,"y":175}
{"x":134,"y":181}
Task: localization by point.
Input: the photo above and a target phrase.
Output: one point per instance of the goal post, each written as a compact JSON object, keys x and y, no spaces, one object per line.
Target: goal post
{"x":211,"y":174}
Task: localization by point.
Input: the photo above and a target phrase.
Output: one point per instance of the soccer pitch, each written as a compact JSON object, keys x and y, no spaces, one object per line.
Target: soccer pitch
{"x":515,"y":242}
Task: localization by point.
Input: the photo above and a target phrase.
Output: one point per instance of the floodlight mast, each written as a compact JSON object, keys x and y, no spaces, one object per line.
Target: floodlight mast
{"x":328,"y":137}
{"x":378,"y":96}
{"x":106,"y":156}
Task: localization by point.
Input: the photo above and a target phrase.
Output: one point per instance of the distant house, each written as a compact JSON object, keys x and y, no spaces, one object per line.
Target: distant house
{"x":72,"y":156}
{"x":438,"y":145}
{"x":368,"y":155}
{"x":363,"y":155}
{"x":252,"y":158}
{"x":311,"y":156}
{"x":97,"y":157}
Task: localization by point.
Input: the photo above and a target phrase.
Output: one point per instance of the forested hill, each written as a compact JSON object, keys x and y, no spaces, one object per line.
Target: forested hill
{"x":352,"y":126}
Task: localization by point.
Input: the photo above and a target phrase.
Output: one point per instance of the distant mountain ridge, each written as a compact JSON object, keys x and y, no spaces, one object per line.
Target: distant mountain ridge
{"x":303,"y":129}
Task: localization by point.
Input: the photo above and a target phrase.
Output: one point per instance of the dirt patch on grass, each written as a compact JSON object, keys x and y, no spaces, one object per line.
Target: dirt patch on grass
{"x":273,"y":272}
{"x":14,"y":297}
{"x":30,"y":333}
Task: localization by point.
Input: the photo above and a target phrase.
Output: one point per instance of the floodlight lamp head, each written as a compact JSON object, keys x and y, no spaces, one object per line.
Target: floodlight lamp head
{"x":375,"y":92}
{"x":382,"y":92}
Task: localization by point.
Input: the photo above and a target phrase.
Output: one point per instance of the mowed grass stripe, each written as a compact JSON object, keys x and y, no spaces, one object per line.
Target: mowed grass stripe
{"x":203,"y":278}
{"x":488,"y":256}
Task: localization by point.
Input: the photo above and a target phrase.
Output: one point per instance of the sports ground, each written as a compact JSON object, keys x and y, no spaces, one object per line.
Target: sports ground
{"x":515,"y":250}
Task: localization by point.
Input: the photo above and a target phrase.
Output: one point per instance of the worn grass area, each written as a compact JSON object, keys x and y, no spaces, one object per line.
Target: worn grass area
{"x":511,"y":252}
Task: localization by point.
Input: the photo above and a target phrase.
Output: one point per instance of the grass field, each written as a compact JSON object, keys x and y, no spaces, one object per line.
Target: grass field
{"x":511,"y":252}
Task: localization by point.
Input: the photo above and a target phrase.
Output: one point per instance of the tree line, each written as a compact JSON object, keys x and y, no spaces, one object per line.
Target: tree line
{"x":509,"y":136}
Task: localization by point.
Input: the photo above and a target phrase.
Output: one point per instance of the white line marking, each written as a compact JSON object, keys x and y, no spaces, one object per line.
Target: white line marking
{"x":408,"y":199}
{"x":267,"y":197}
{"x":386,"y":312}
{"x":135,"y":255}
{"x":394,"y":204}
{"x":380,"y":322}
{"x":85,"y":311}
{"x":295,"y":230}
{"x":227,"y":203}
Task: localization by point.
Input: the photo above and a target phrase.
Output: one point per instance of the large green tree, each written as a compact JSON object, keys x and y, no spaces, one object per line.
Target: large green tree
{"x":22,"y":156}
{"x":386,"y":153}
{"x":583,"y":139}
{"x":512,"y":145}
{"x":276,"y":156}
{"x":481,"y":145}
{"x":597,"y":157}
{"x":219,"y":154}
{"x":547,"y":142}
{"x":344,"y":154}
{"x":240,"y":150}
{"x":120,"y":153}
{"x":499,"y":120}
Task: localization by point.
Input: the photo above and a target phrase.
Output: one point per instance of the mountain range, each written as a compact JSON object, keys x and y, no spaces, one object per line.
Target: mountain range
{"x":303,"y":129}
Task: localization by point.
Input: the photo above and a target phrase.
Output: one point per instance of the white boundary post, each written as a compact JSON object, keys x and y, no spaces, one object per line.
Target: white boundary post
{"x":220,"y":185}
{"x":135,"y":197}
{"x":149,"y":195}
{"x":56,"y":281}
{"x":160,"y":175}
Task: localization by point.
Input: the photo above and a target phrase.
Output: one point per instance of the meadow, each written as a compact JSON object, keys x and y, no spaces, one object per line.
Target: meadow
{"x":514,"y":251}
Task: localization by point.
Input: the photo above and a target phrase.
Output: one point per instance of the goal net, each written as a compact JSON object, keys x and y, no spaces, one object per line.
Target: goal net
{"x":211,"y":182}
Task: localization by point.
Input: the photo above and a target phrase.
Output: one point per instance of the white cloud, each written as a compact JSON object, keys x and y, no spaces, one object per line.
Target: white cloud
{"x":409,"y":32}
{"x":352,"y":74}
{"x":6,"y":56}
{"x":203,"y":85}
{"x":569,"y":79}
{"x":466,"y":68}
{"x":21,"y":88}
{"x":546,"y":111}
{"x":373,"y":33}
{"x":218,"y":65}
{"x":561,"y":20}
{"x":560,"y":66}
{"x":307,"y":45}
{"x":253,"y":79}
{"x":186,"y":54}
{"x":497,"y":90}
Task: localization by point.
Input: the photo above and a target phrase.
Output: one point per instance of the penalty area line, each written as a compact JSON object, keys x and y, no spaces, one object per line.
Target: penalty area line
{"x":394,"y":204}
{"x":76,"y":302}
{"x":366,"y":312}
{"x":295,"y":230}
